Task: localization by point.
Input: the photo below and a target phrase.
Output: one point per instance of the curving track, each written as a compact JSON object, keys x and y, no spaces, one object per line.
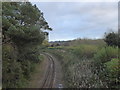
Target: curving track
{"x":48,"y":81}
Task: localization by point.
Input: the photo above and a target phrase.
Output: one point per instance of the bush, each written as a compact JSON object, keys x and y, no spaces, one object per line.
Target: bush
{"x":113,"y":70}
{"x":77,"y":71}
{"x":102,"y":56}
{"x":102,"y":61}
{"x":112,"y":39}
{"x":22,"y":35}
{"x":105,"y":54}
{"x":12,"y":71}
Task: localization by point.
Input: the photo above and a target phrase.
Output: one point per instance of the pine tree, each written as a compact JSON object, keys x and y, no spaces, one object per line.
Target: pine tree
{"x":21,"y":26}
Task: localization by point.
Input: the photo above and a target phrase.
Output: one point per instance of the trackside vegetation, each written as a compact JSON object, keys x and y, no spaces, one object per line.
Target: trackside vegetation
{"x":89,"y":65}
{"x":86,"y":63}
{"x":22,"y":36}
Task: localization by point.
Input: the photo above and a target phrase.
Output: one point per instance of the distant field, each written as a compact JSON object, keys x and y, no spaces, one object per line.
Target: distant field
{"x":88,"y":42}
{"x":99,"y":42}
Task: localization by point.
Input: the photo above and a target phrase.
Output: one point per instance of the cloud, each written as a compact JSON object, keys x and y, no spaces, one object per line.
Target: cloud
{"x":73,"y":20}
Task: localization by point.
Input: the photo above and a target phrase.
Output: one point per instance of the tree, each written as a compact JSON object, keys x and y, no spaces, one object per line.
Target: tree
{"x":23,"y":22}
{"x":112,"y":39}
{"x":22,"y":27}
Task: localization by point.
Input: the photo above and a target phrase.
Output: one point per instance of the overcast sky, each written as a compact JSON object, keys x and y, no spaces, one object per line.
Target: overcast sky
{"x":73,"y":20}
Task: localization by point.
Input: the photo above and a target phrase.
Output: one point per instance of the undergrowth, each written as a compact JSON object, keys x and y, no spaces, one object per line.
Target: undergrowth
{"x":88,"y":66}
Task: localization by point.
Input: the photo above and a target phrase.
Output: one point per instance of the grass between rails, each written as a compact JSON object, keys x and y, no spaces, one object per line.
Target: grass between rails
{"x":89,"y":66}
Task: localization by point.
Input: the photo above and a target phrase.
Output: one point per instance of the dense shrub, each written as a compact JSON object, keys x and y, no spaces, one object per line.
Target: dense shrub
{"x":105,"y":54}
{"x":22,"y":37}
{"x":77,"y":69}
{"x":102,"y":61}
{"x":89,"y":66}
{"x":112,"y":39}
{"x":113,"y":70}
{"x":12,"y":71}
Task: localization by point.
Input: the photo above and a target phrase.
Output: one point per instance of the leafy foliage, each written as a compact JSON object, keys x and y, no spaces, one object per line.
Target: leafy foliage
{"x":22,"y":34}
{"x":106,"y":54}
{"x":89,"y":66}
{"x":112,"y":39}
{"x":77,"y":71}
{"x":106,"y":59}
{"x":113,"y":70}
{"x":12,"y":71}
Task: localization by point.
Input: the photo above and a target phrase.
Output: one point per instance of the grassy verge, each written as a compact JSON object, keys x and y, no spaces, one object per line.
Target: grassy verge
{"x":36,"y":75}
{"x":88,"y":66}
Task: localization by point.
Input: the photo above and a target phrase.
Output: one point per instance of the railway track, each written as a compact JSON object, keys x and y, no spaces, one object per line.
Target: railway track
{"x":50,"y":73}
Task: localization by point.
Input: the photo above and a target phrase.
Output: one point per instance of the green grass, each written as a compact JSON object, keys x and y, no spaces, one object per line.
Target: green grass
{"x":113,"y":66}
{"x":81,"y":65}
{"x":58,"y":47}
{"x":97,"y":42}
{"x":84,"y":50}
{"x":105,"y":54}
{"x":113,"y":70}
